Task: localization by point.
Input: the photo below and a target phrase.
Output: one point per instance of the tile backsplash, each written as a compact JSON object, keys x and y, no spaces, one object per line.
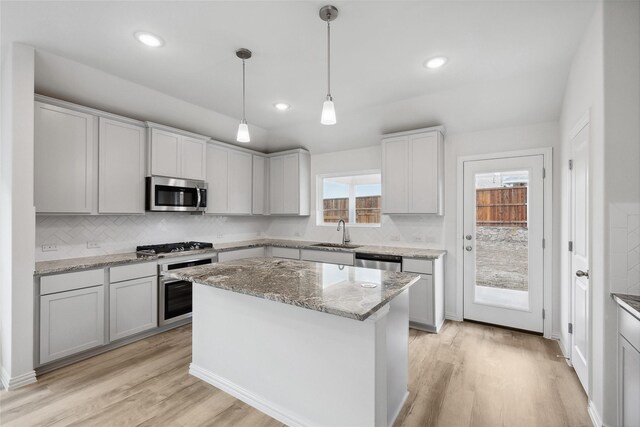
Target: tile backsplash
{"x":119,"y":233}
{"x":624,"y":248}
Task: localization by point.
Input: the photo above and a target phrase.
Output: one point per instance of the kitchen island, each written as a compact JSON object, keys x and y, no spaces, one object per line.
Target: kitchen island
{"x":309,"y":344}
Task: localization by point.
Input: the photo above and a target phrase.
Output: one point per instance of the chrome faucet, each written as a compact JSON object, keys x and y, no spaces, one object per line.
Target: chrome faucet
{"x":345,"y":233}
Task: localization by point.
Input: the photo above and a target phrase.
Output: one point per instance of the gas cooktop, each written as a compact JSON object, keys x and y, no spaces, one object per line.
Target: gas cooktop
{"x":173,"y":247}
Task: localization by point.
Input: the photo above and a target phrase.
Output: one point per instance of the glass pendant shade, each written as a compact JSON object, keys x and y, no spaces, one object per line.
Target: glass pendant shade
{"x":328,"y":113}
{"x":243,"y":132}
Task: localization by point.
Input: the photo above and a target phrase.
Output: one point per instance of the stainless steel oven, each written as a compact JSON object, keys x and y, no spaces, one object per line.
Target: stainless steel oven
{"x":175,"y":296}
{"x":172,"y":194}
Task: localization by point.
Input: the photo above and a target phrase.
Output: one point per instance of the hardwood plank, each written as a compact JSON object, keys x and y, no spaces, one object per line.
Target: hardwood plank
{"x":468,"y":375}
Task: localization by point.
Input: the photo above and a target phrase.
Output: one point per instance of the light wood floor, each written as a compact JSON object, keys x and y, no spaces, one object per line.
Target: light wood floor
{"x":468,"y":375}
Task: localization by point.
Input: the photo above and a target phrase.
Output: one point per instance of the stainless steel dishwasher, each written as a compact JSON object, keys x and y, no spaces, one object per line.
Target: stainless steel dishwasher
{"x":379,"y":262}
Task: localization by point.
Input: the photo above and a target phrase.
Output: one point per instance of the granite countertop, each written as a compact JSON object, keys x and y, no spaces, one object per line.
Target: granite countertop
{"x":101,"y":261}
{"x":327,"y":288}
{"x":631,"y":303}
{"x":86,"y":263}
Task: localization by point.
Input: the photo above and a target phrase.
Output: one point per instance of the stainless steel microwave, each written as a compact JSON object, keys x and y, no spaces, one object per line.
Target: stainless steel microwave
{"x":175,"y":195}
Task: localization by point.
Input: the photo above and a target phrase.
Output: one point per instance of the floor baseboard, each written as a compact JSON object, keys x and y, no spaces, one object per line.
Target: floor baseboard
{"x":595,"y":416}
{"x":11,"y":383}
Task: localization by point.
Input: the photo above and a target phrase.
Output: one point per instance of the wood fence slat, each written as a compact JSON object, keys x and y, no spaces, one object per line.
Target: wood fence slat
{"x":505,"y":206}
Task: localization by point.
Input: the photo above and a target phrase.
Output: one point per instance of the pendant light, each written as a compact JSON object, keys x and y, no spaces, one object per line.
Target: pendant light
{"x":243,"y":129}
{"x":328,"y":14}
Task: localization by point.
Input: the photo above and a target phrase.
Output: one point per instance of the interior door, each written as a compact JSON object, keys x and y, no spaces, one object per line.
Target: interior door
{"x":503,"y":241}
{"x":580,"y":254}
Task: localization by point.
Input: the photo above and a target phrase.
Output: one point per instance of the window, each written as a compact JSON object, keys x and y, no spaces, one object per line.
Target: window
{"x":354,"y":197}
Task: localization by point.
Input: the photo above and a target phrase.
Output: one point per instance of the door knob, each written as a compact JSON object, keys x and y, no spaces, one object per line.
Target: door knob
{"x":468,"y":248}
{"x":468,"y":237}
{"x":581,"y":273}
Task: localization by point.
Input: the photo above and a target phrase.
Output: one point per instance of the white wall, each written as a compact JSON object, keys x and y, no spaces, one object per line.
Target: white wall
{"x":436,"y":232}
{"x":605,"y":79}
{"x":17,"y":216}
{"x":621,"y":28}
{"x":119,"y":233}
{"x":72,"y":81}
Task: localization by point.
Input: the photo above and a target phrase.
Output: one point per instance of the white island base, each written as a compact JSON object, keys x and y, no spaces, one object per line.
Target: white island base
{"x":303,"y":367}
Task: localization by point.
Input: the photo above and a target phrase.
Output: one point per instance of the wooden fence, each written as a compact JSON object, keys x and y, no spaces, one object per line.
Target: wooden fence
{"x":367,"y":209}
{"x":501,"y":207}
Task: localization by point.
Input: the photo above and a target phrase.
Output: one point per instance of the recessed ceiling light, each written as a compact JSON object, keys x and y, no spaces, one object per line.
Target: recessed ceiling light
{"x":148,"y":39}
{"x":436,"y":62}
{"x":281,"y":106}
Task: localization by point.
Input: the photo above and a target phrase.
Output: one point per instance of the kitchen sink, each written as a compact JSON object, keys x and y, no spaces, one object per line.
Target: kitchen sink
{"x":336,"y":245}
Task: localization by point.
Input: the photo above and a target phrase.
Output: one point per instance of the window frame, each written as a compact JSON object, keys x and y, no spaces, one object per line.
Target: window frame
{"x":320,"y":197}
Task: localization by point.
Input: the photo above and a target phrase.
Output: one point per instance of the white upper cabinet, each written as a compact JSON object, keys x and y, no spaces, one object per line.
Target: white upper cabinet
{"x":193,"y":158}
{"x":121,"y":167}
{"x":259,"y":189}
{"x":413,"y":172}
{"x":165,"y":153}
{"x":276,"y":185}
{"x":289,"y":183}
{"x":229,"y":178}
{"x":240,"y":182}
{"x":175,"y":154}
{"x":217,"y":179}
{"x":64,"y":142}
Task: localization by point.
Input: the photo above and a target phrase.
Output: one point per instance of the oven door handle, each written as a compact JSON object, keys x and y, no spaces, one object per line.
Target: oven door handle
{"x":199,"y":197}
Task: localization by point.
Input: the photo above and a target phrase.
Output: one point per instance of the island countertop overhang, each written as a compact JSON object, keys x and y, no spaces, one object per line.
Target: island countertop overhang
{"x":327,"y":288}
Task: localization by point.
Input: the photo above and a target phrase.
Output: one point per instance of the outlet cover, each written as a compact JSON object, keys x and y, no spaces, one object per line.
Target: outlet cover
{"x":93,"y":245}
{"x":220,"y":236}
{"x":49,"y":247}
{"x":418,"y":239}
{"x":394,"y":238}
{"x":297,"y":234}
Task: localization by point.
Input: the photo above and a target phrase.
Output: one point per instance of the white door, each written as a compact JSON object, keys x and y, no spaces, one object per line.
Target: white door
{"x":580,"y":254}
{"x":503,"y":241}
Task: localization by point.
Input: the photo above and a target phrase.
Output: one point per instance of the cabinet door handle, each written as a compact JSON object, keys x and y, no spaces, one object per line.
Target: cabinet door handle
{"x":468,"y":248}
{"x":468,"y":237}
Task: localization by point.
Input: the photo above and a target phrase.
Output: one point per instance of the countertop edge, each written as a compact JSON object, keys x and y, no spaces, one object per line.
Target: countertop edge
{"x":247,"y":244}
{"x":346,"y":314}
{"x":619,"y":299}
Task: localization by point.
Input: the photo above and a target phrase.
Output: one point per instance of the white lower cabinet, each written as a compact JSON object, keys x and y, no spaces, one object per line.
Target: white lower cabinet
{"x":241,"y":254}
{"x":331,"y":257}
{"x":426,"y":297}
{"x":280,"y":252}
{"x":628,"y":369}
{"x":133,"y":307}
{"x":71,"y":322}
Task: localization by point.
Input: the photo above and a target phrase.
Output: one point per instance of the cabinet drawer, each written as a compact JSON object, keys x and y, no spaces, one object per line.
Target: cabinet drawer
{"x":289,"y":253}
{"x":71,"y":281}
{"x":241,"y":254}
{"x":629,"y":327}
{"x":133,"y":271}
{"x":417,"y":265}
{"x":332,"y":257}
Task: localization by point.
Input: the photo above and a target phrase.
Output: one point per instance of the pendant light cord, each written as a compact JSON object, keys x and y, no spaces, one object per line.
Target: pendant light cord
{"x":329,"y":58}
{"x":244,"y":117}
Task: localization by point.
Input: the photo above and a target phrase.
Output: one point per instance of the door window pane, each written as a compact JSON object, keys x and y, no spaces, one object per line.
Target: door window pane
{"x":502,"y":239}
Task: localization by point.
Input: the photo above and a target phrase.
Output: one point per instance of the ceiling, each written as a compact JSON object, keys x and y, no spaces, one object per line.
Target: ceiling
{"x":508,"y":60}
